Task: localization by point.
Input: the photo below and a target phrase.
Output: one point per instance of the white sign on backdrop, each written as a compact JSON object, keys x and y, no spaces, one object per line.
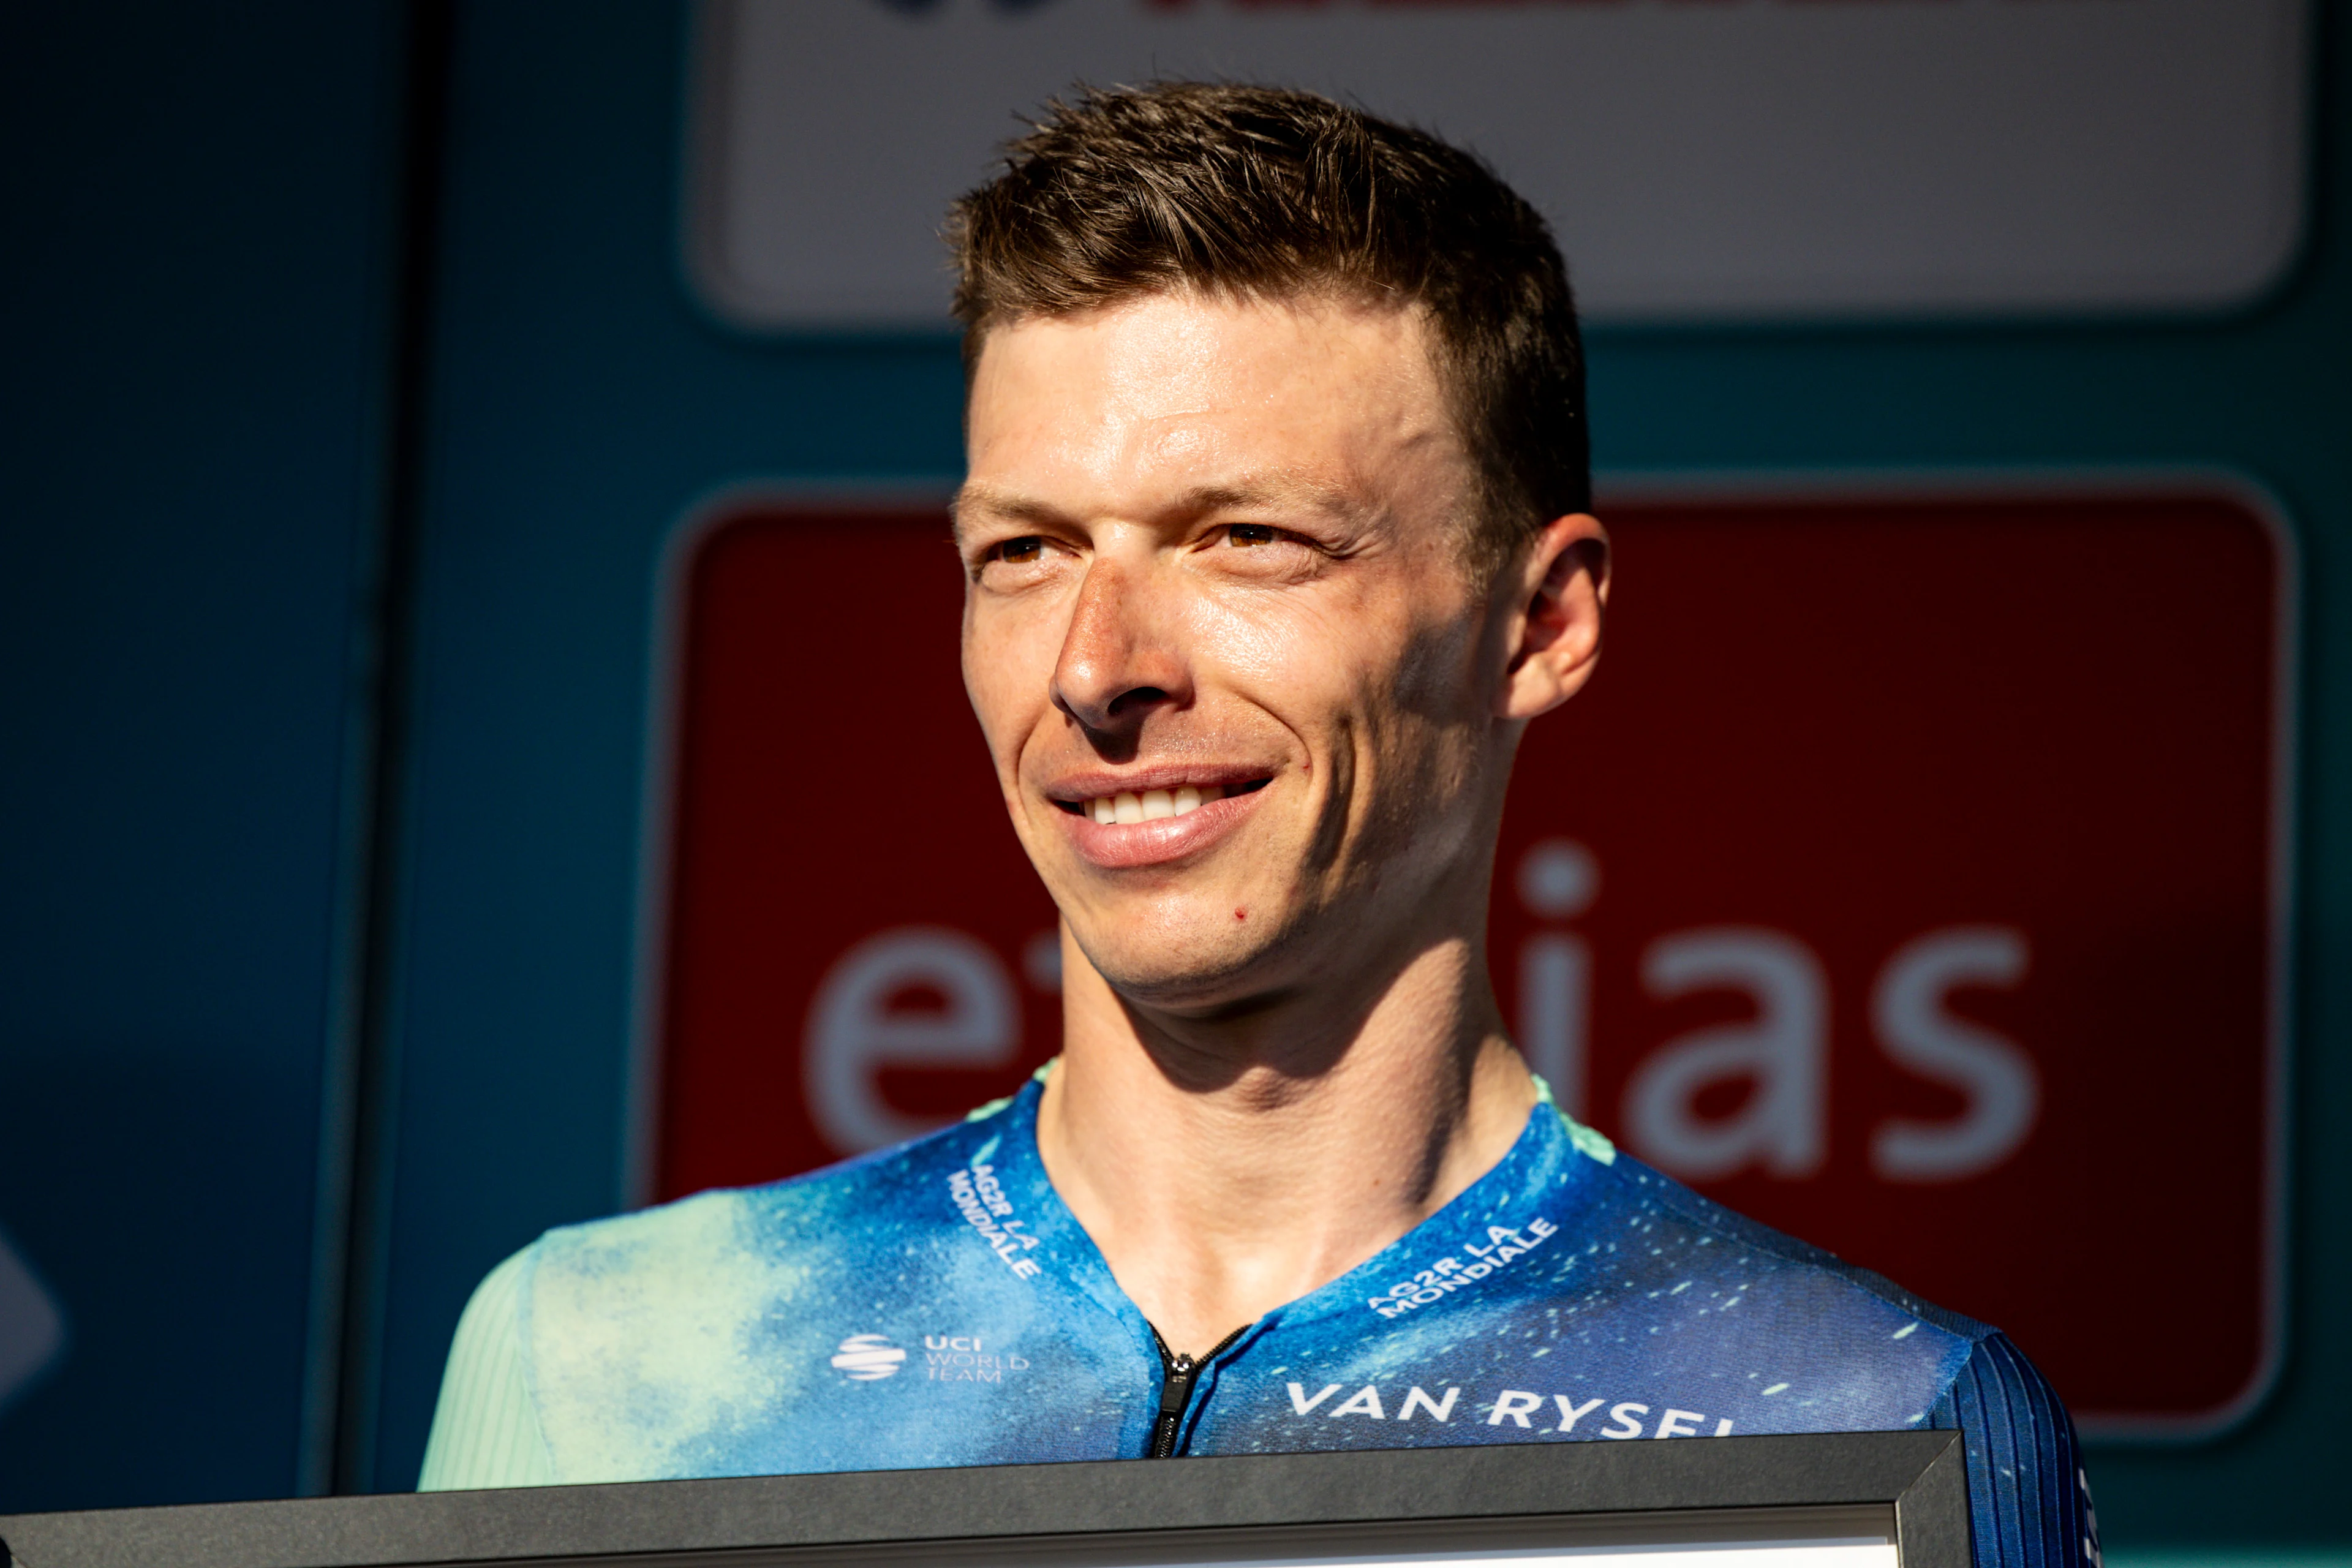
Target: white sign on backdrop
{"x":1739,"y":160}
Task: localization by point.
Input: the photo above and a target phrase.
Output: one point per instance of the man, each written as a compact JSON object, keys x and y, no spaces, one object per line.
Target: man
{"x":1276,"y":538}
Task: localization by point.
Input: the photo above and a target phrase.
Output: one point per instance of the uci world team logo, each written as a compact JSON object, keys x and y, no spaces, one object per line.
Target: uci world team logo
{"x":867,"y":1358}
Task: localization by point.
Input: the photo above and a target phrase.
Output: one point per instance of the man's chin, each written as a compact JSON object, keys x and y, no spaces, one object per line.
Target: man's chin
{"x":1180,"y":968}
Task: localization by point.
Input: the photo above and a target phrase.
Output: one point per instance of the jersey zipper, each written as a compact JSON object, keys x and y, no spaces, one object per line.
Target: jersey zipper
{"x":1178,"y":1373}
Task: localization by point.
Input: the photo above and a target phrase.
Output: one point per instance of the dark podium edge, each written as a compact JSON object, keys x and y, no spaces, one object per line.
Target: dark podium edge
{"x":1921,"y":1475}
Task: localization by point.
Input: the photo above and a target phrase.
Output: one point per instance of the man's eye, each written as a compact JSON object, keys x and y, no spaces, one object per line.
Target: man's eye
{"x":1243,"y":536}
{"x":1018,"y":551}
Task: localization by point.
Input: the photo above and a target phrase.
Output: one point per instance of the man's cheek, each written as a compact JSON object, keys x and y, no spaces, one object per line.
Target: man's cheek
{"x":1003,"y":747}
{"x":1001,"y":689}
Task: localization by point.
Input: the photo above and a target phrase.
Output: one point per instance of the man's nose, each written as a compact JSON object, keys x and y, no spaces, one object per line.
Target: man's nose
{"x":1120,"y":659}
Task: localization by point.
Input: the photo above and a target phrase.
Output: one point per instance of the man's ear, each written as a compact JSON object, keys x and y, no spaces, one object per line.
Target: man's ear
{"x":1559,"y":589}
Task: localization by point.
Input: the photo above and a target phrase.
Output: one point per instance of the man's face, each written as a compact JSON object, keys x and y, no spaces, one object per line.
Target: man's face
{"x":1239,"y":681}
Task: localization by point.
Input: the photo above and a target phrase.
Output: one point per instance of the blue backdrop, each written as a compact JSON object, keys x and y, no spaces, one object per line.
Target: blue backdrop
{"x":199,"y":239}
{"x":202,"y":383}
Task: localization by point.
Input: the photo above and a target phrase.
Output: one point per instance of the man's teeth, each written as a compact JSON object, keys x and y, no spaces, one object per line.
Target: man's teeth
{"x":1152,"y":804}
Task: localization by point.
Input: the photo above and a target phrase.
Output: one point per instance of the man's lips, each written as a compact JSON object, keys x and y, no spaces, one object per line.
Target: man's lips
{"x":1154,"y":815}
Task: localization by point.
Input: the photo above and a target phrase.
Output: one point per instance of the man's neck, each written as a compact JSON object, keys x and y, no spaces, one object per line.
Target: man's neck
{"x":1221,"y":1178}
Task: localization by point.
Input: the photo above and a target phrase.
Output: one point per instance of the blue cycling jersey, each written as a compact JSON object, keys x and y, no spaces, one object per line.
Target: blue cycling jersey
{"x":936,"y":1304}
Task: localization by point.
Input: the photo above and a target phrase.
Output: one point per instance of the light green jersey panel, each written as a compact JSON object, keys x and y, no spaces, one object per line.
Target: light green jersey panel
{"x":485,"y":1432}
{"x":1590,"y":1142}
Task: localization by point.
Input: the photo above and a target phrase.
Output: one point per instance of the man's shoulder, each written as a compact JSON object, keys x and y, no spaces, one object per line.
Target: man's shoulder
{"x":1661,"y":1281}
{"x":800,"y":1220}
{"x":738,"y":1331}
{"x":1738,"y":1243}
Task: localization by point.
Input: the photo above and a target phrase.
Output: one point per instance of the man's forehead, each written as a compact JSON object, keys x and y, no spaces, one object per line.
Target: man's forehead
{"x":1172,"y":408}
{"x":1179,"y":359}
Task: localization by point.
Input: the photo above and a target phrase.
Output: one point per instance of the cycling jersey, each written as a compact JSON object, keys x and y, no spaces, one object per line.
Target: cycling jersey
{"x":936,"y":1304}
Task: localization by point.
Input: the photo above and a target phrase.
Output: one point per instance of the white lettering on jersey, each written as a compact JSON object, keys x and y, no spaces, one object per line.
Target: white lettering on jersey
{"x":1447,"y":1275}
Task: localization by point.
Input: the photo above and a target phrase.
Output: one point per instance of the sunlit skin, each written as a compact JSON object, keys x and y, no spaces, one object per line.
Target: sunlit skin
{"x":1221,"y":546}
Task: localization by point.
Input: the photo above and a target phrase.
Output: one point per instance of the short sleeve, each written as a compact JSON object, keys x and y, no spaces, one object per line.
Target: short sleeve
{"x":484,"y":1431}
{"x":2029,"y":1502}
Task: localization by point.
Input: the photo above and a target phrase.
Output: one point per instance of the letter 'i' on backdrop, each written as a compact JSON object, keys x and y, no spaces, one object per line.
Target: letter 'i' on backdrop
{"x":1906,"y":878}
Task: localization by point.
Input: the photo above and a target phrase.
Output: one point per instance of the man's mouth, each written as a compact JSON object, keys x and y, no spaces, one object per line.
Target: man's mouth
{"x":1150,"y":805}
{"x":1166,"y":816}
{"x":1127,"y":806}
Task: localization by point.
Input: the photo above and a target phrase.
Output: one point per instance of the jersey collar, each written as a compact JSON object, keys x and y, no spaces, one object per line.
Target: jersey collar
{"x":1523,"y":1205}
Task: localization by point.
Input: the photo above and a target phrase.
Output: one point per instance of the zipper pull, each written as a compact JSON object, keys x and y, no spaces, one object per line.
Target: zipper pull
{"x":1176,"y":1387}
{"x":1178,"y":1372}
{"x":1175,"y":1392}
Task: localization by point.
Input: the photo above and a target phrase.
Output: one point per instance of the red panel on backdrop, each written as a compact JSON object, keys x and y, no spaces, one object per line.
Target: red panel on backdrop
{"x":1904,"y":879}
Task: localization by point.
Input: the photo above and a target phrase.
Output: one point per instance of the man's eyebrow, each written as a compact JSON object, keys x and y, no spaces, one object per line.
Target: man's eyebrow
{"x":978,"y":498}
{"x":1273,"y":490}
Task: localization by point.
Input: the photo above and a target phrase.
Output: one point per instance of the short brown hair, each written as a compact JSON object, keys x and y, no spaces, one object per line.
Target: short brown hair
{"x":1266,"y":193}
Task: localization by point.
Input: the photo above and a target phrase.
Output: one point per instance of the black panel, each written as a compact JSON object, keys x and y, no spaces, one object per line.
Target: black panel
{"x":1092,"y":1515}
